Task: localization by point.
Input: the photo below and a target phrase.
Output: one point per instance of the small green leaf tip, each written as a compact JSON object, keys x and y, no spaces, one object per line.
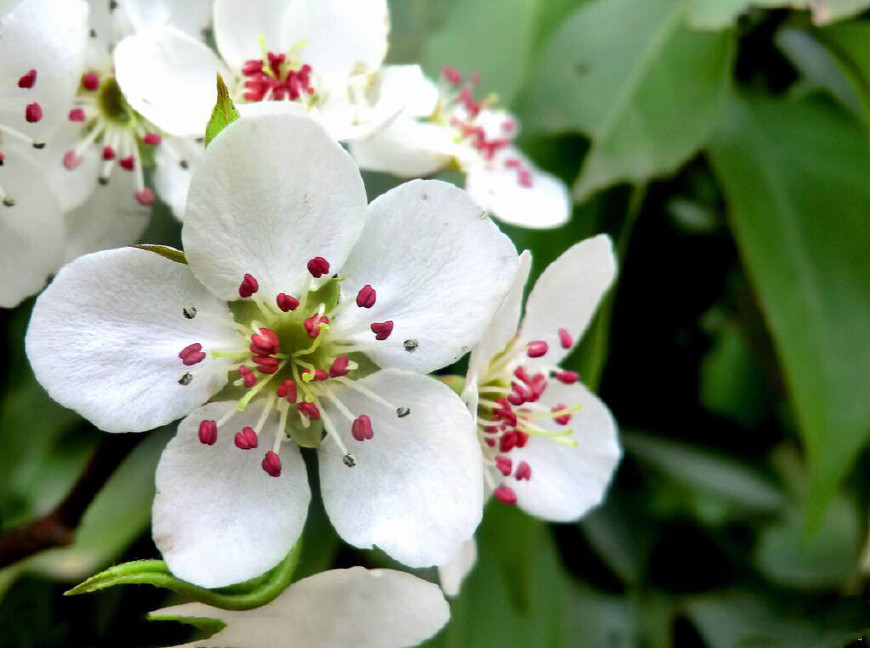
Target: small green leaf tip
{"x":163,"y":250}
{"x":224,"y":112}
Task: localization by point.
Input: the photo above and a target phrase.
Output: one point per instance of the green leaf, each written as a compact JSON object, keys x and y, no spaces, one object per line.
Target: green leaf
{"x":224,"y":112}
{"x":849,"y":44}
{"x":633,"y":77}
{"x":163,"y":250}
{"x":243,"y":596}
{"x":798,"y":199}
{"x":719,"y":14}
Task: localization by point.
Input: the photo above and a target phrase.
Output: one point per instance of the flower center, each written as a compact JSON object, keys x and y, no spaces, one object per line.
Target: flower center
{"x":277,"y":77}
{"x":290,"y":359}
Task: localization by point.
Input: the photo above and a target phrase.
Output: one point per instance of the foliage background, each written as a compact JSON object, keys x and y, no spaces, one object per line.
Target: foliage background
{"x":729,"y":158}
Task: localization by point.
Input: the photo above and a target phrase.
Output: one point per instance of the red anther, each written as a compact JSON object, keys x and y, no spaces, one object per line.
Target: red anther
{"x":287,"y":389}
{"x":286,"y":302}
{"x":145,"y":197}
{"x":567,"y":377}
{"x":565,"y":418}
{"x":272,"y":464}
{"x":108,"y":153}
{"x":309,"y":409}
{"x":507,"y":442}
{"x":525,"y":178}
{"x":520,"y":373}
{"x":91,"y":81}
{"x":77,"y":115}
{"x":191,"y":354}
{"x":246,"y":439}
{"x":33,"y":112}
{"x":27,"y":80}
{"x":248,"y":286}
{"x":452,"y":76}
{"x":508,"y":126}
{"x":519,"y":394}
{"x":524,"y":471}
{"x":361,"y":428}
{"x":490,"y":442}
{"x":505,"y":494}
{"x":565,"y":339}
{"x":265,"y":364}
{"x":366,"y":297}
{"x":265,"y":343}
{"x":504,"y":465}
{"x":248,"y":377}
{"x":318,"y":266}
{"x":522,"y":439}
{"x":2,"y":157}
{"x":382,"y":330}
{"x":127,"y":163}
{"x":537,"y":349}
{"x":320,"y":374}
{"x":538,"y":386}
{"x":152,"y":139}
{"x":71,"y":160}
{"x":312,"y":324}
{"x":252,"y":66}
{"x":208,"y":432}
{"x":339,"y":367}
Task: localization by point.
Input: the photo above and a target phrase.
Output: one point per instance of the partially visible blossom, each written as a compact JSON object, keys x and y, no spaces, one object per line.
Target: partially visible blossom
{"x":549,"y":444}
{"x":303,"y":317}
{"x":379,"y":608}
{"x":445,"y":124}
{"x":309,"y":57}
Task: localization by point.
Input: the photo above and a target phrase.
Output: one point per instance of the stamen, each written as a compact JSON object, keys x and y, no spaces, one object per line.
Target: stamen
{"x":248,"y":286}
{"x":265,"y":342}
{"x":189,"y":312}
{"x":246,"y":439}
{"x":310,"y":410}
{"x":349,"y":460}
{"x":152,"y":139}
{"x":382,"y":330}
{"x":567,"y":377}
{"x":287,"y":389}
{"x":563,"y":418}
{"x":524,"y":472}
{"x":192,"y":354}
{"x":248,"y":377}
{"x":365,"y":391}
{"x":33,"y":112}
{"x":145,"y":197}
{"x":537,"y":349}
{"x":361,"y":428}
{"x":127,"y":163}
{"x":410,"y":345}
{"x":91,"y":81}
{"x":565,"y":339}
{"x":402,"y":412}
{"x":272,"y":464}
{"x":77,"y":115}
{"x":505,"y":494}
{"x":286,"y":302}
{"x":27,"y":80}
{"x":504,"y":465}
{"x":265,"y":364}
{"x":185,"y":379}
{"x":366,"y":297}
{"x":208,"y":432}
{"x":318,"y":266}
{"x":339,"y":367}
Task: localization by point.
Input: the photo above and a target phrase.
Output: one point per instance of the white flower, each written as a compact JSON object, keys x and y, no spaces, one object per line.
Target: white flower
{"x":99,"y":155}
{"x":42,"y":49}
{"x":445,"y":124}
{"x":550,"y":445}
{"x":312,"y":57}
{"x":300,"y":292}
{"x":357,"y":607}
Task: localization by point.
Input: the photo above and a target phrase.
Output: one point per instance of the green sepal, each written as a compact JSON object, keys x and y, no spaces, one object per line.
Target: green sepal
{"x":208,"y":626}
{"x":243,"y":596}
{"x":224,"y":112}
{"x":165,"y":251}
{"x":456,"y":383}
{"x":309,"y":437}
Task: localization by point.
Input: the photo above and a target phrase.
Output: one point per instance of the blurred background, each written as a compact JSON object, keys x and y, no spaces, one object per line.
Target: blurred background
{"x":725,"y":148}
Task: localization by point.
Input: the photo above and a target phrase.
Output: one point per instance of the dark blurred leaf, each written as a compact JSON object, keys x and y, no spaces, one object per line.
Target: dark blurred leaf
{"x":849,"y":43}
{"x":620,"y":539}
{"x":798,"y":199}
{"x":633,"y":77}
{"x":719,"y":14}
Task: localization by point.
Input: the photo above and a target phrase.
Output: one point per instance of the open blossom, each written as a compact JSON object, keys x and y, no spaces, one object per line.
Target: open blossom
{"x":99,"y":155}
{"x":549,"y":445}
{"x":379,"y":608}
{"x":444,"y":124}
{"x":42,"y":48}
{"x":313,"y":57}
{"x":304,"y":317}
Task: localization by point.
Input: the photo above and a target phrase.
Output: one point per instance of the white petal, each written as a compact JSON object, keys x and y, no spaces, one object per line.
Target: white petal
{"x":406,"y":85}
{"x":74,"y":186}
{"x":191,"y":16}
{"x":175,"y":160}
{"x":454,"y":572}
{"x":378,"y":608}
{"x":544,"y":204}
{"x":31,"y":230}
{"x":407,"y":148}
{"x":49,"y":36}
{"x":218,"y":517}
{"x":239,"y":26}
{"x":440,"y":268}
{"x":110,"y":218}
{"x":567,"y":294}
{"x":170,"y":78}
{"x":271,"y":193}
{"x":341,"y":38}
{"x":416,"y":489}
{"x":104,"y":339}
{"x":504,"y":324}
{"x":568,"y":481}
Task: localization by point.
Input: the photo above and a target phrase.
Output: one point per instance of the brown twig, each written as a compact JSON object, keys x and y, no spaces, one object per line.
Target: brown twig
{"x":57,"y":528}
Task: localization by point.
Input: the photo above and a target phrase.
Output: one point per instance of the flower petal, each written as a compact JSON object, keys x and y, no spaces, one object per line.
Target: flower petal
{"x":545,"y":203}
{"x":567,"y":294}
{"x":31,"y":229}
{"x":191,"y":16}
{"x":406,"y":148}
{"x":104,"y":339}
{"x":239,"y":26}
{"x":175,"y":160}
{"x":271,"y":193}
{"x":49,"y":36}
{"x":219,"y":518}
{"x":169,"y":77}
{"x":416,"y":489}
{"x":454,"y":572}
{"x":74,"y":186}
{"x":440,"y":268}
{"x":568,"y":481}
{"x":377,"y":608}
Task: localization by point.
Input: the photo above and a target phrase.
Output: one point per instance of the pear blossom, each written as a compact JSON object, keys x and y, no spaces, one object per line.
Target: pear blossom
{"x":378,"y":608}
{"x":302,"y":317}
{"x":549,"y":444}
{"x":42,"y":48}
{"x":99,"y":155}
{"x":314,"y":57}
{"x":444,"y":124}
